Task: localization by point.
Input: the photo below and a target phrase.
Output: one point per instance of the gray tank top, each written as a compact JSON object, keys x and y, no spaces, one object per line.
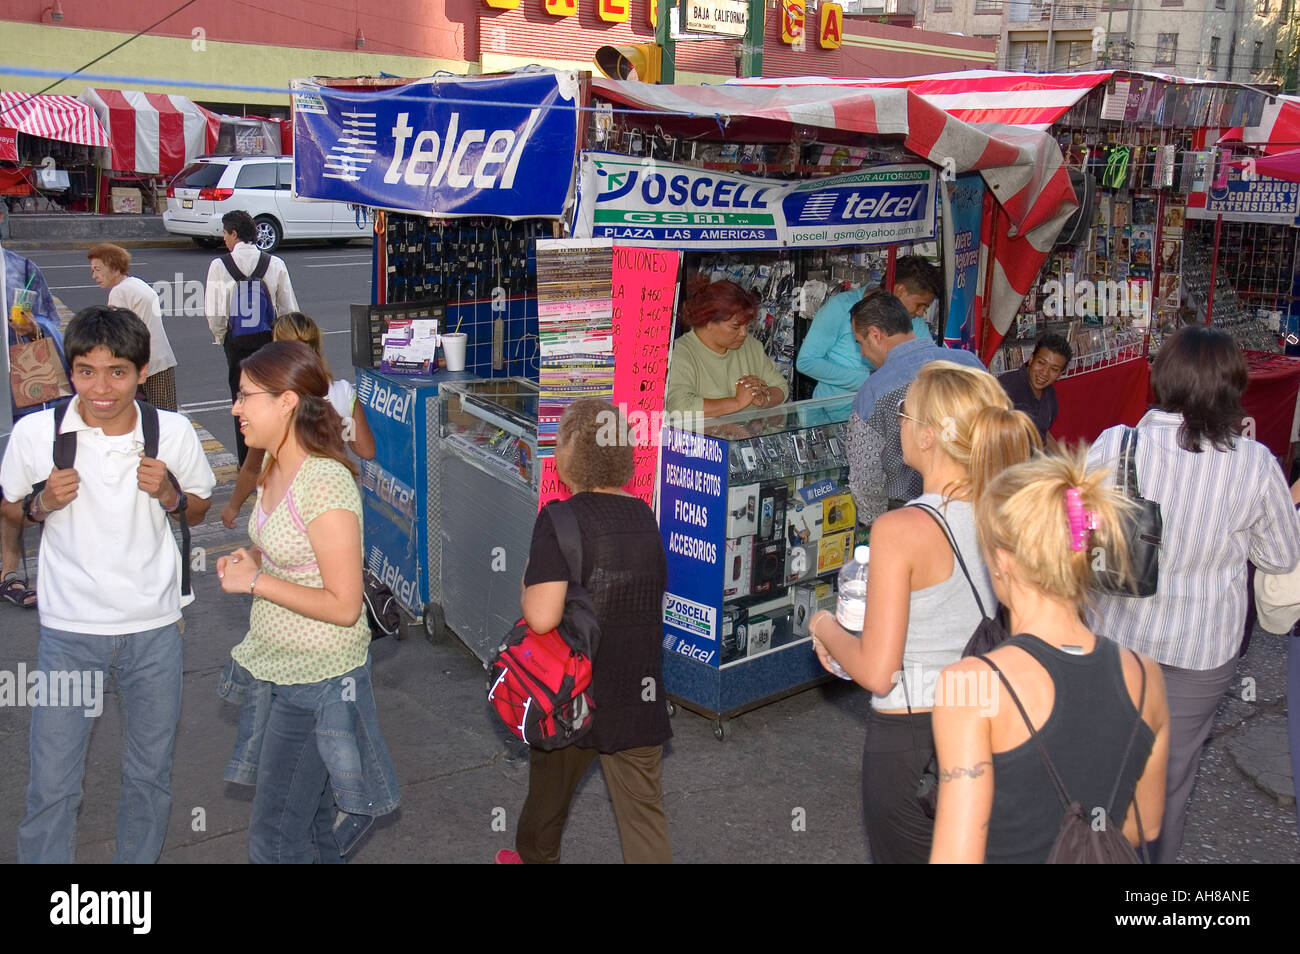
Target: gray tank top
{"x":941,"y":618}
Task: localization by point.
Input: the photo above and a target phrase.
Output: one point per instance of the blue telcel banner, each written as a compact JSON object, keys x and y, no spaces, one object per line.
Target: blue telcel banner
{"x":692,"y":507}
{"x":967,"y":205}
{"x":503,"y":146}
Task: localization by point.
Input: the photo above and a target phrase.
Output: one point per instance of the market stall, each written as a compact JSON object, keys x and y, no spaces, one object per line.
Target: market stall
{"x":47,"y":160}
{"x":153,"y":136}
{"x":465,"y":174}
{"x":788,"y":191}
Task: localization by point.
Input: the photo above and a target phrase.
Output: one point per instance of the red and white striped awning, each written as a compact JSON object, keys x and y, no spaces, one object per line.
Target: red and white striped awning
{"x":1023,"y":168}
{"x":1035,"y":100}
{"x":52,"y":117}
{"x":1279,"y":127}
{"x":153,"y":133}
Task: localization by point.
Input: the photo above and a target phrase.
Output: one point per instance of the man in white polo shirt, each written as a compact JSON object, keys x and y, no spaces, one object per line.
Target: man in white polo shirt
{"x":109,"y":585}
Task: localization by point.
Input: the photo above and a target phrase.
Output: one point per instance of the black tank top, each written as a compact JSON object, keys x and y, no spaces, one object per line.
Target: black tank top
{"x":1085,"y":735}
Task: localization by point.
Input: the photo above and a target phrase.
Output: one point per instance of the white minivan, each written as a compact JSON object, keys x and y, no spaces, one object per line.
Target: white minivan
{"x":211,"y":186}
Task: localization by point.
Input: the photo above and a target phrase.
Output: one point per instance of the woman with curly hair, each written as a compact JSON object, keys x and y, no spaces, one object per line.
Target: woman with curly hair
{"x":624,"y":572}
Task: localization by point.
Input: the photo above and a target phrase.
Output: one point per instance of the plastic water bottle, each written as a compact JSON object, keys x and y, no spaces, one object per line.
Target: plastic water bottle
{"x":851,"y":605}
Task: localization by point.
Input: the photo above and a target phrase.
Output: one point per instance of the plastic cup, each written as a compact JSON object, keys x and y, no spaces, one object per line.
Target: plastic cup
{"x":25,"y":300}
{"x":453,"y":350}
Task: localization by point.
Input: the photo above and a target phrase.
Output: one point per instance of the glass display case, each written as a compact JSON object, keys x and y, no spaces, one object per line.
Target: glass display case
{"x":487,"y":505}
{"x":757,"y":519}
{"x":493,"y":426}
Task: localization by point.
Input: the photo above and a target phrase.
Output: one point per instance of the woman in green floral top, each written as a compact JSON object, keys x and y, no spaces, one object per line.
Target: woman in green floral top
{"x":309,"y":737}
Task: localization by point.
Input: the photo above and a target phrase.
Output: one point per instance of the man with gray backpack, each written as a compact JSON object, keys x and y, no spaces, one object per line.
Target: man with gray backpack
{"x":247,"y":290}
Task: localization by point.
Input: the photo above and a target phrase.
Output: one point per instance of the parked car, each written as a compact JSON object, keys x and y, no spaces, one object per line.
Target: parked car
{"x":211,"y":186}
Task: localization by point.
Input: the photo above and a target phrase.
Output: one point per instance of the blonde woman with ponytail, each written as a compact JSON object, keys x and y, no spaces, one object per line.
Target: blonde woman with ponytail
{"x":1042,"y":525}
{"x":958,"y":430}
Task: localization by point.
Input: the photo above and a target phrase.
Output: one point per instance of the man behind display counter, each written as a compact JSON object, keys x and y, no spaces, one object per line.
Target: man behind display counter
{"x":877,"y":475}
{"x":830,"y":353}
{"x":1032,"y":386}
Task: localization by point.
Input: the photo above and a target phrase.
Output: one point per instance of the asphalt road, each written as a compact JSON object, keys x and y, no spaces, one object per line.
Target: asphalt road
{"x":325,"y":280}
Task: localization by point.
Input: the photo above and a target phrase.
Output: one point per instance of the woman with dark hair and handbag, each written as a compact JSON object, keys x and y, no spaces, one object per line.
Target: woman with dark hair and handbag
{"x":958,"y":429}
{"x":624,"y":572}
{"x":1097,"y":712}
{"x":1223,"y":501}
{"x":308,"y":734}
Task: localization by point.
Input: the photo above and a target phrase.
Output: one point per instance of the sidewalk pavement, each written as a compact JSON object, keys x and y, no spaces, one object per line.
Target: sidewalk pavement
{"x":785,"y":787}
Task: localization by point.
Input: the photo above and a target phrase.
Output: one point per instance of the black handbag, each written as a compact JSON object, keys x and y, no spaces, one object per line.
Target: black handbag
{"x":1142,"y":529}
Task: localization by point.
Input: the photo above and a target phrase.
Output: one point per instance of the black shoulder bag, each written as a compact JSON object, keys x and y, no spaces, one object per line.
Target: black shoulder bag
{"x":1141,"y":527}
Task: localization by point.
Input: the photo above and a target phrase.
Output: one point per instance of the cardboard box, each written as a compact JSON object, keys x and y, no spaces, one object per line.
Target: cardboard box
{"x":803,"y":522}
{"x":761,"y":630}
{"x":733,"y":634}
{"x":124,"y":199}
{"x":771,"y":510}
{"x":736,"y":570}
{"x":839,"y":513}
{"x":808,"y":599}
{"x":801,"y":563}
{"x":833,"y":551}
{"x":769,"y":567}
{"x":742,"y":511}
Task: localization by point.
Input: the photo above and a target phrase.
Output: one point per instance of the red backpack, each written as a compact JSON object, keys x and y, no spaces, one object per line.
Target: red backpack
{"x":539,"y":683}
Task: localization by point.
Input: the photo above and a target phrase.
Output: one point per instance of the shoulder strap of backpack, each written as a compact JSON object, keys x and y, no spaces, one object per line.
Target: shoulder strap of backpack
{"x":1110,"y":804}
{"x":263,"y":263}
{"x":1128,"y":462}
{"x":1042,"y":749}
{"x":569,"y":538}
{"x":65,"y":445}
{"x":228,"y":260}
{"x":956,"y":551}
{"x":149,"y":425}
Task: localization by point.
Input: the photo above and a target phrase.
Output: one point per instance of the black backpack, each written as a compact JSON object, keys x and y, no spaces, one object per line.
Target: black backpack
{"x":382,"y":609}
{"x":1077,"y":842}
{"x":65,"y":456}
{"x":251,"y":309}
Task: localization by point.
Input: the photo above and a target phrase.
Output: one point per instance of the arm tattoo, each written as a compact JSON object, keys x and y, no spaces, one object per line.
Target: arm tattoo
{"x":974,"y":771}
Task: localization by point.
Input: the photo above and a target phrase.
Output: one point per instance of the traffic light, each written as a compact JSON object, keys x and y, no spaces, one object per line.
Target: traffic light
{"x":641,"y":62}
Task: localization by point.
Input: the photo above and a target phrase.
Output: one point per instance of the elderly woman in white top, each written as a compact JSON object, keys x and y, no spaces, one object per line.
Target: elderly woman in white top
{"x":1223,"y":501}
{"x":110,"y":266}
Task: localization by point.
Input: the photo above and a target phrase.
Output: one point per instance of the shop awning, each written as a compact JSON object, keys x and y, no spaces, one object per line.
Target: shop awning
{"x":1036,"y":100}
{"x":153,"y":133}
{"x":1279,"y":128}
{"x":52,"y":117}
{"x":979,"y":96}
{"x":1022,"y":167}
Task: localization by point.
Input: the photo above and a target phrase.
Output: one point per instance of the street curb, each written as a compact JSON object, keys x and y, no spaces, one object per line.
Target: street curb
{"x":85,"y":244}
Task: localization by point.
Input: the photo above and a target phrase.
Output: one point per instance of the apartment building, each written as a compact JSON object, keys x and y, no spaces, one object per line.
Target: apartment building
{"x":1241,"y":41}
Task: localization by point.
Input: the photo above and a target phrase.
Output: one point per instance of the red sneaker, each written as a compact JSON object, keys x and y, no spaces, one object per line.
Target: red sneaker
{"x":508,"y":856}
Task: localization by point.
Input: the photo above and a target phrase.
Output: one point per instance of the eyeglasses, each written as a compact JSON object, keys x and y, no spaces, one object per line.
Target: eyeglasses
{"x":903,"y":414}
{"x":242,"y":396}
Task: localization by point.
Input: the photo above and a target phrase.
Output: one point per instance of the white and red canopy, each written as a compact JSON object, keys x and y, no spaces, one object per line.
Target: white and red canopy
{"x":153,"y":133}
{"x":52,"y":117}
{"x":1023,"y":168}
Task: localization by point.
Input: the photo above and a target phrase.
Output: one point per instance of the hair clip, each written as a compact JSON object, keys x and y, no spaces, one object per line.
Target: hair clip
{"x":1082,"y":521}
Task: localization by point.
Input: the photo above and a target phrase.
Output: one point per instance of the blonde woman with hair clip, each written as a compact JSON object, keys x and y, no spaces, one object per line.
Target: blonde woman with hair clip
{"x":1098,"y":711}
{"x":295,"y":326}
{"x":958,"y":430}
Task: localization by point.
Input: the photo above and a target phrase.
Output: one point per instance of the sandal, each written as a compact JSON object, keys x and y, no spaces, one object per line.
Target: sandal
{"x":15,"y":590}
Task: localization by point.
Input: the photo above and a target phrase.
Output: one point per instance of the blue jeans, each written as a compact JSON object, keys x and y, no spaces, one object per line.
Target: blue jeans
{"x":147,"y":669}
{"x":323,"y":772}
